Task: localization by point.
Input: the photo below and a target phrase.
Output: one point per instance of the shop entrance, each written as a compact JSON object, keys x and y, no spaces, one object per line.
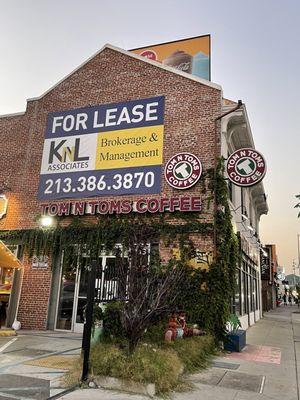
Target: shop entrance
{"x":72,"y":297}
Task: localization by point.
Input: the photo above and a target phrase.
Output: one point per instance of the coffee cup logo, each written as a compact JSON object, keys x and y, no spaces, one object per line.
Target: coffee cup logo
{"x":246,"y":167}
{"x":180,"y":60}
{"x":183,"y":170}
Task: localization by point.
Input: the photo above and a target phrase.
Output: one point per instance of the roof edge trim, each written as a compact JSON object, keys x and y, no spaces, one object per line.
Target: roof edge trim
{"x":12,"y":114}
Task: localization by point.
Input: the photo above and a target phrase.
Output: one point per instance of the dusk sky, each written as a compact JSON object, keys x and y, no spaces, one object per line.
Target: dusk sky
{"x":255,"y":58}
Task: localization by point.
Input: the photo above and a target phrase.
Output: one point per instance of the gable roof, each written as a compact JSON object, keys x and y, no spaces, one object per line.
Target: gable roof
{"x":140,"y":58}
{"x":129,"y":54}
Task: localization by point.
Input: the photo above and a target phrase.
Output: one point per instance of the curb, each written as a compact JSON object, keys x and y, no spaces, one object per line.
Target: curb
{"x":66,"y":391}
{"x":125,"y":386}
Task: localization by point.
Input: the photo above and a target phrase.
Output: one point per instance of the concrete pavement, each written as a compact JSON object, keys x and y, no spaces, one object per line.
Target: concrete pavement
{"x":269,"y":367}
{"x":20,"y":380}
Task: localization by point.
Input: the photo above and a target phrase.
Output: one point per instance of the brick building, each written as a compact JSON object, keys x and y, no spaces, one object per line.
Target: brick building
{"x":113,"y":76}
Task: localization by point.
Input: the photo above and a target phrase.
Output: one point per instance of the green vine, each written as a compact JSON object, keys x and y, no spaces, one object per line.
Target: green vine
{"x":94,"y":238}
{"x":205,"y":295}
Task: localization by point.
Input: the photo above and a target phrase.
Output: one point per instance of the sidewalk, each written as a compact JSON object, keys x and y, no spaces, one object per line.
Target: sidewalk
{"x":267,"y":369}
{"x":33,"y":363}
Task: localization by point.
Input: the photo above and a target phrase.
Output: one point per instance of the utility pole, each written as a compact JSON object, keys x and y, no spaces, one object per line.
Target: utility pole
{"x":294,"y":269}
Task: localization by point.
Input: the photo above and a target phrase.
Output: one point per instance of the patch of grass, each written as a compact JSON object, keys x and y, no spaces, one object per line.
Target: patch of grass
{"x":160,"y":366}
{"x":153,"y":363}
{"x":73,"y":376}
{"x":195,"y":352}
{"x":147,"y":364}
{"x":108,"y":360}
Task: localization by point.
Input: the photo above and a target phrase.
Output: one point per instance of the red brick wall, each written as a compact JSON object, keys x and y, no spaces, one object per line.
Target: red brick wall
{"x":189,"y":121}
{"x":33,"y":306}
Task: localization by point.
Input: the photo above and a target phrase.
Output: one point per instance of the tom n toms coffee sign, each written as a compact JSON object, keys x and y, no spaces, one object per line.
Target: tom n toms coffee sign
{"x":246,"y":167}
{"x":124,"y":206}
{"x":183,"y":170}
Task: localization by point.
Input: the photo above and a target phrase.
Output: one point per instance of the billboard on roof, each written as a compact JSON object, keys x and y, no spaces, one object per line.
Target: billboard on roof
{"x":188,"y":55}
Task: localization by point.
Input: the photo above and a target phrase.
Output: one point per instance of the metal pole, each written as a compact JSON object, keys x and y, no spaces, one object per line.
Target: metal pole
{"x":86,"y":341}
{"x":294,"y":269}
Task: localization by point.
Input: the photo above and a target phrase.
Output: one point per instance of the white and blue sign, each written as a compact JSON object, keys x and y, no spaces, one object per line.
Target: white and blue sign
{"x":111,"y":149}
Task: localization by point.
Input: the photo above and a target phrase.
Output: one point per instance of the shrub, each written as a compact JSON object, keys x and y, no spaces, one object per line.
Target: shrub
{"x":112,"y":327}
{"x":151,"y":363}
{"x":146,"y":365}
{"x":159,"y":366}
{"x":107,"y":359}
{"x":156,"y":332}
{"x":194,"y":352}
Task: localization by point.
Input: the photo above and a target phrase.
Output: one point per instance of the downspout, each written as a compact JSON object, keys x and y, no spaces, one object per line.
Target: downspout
{"x":216,"y":155}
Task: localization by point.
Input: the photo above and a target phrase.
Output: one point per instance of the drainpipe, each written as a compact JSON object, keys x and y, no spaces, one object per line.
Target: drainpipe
{"x":239,"y":105}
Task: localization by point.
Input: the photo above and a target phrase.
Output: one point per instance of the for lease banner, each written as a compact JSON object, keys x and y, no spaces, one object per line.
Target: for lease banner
{"x":105,"y":150}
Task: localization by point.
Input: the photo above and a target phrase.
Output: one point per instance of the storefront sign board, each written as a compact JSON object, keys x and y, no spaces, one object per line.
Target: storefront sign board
{"x":124,"y":206}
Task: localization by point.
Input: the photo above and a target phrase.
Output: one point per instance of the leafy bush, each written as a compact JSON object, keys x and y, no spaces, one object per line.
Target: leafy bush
{"x":155,"y":333}
{"x":112,"y":327}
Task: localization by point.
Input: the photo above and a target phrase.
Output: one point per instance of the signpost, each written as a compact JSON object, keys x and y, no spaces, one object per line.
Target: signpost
{"x":86,"y":340}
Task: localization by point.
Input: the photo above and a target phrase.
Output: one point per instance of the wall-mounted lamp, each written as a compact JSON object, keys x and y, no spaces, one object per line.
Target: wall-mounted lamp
{"x":46,"y":221}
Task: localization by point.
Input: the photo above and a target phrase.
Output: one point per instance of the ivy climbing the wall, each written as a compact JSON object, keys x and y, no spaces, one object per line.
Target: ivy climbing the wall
{"x":205,"y":295}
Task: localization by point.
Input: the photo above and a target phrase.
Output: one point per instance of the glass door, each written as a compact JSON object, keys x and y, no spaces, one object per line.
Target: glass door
{"x":81,"y":293}
{"x":106,"y":287}
{"x":72,"y":297}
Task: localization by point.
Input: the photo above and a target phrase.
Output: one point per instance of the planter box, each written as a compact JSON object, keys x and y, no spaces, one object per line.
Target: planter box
{"x":235,"y":341}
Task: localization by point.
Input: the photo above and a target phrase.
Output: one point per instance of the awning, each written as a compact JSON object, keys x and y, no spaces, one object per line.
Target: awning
{"x":7,"y":258}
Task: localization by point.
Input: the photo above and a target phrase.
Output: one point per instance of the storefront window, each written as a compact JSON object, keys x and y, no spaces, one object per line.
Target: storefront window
{"x":252,"y":299}
{"x":242,"y":300}
{"x":237,"y":298}
{"x":256,"y":292}
{"x":245,"y":289}
{"x":66,"y":298}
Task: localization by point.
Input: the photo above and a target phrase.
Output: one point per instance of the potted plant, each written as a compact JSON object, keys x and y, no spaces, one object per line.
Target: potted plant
{"x":235,"y":339}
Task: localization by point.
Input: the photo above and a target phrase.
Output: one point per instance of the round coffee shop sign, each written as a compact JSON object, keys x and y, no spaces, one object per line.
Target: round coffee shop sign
{"x":183,"y":170}
{"x":246,"y":167}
